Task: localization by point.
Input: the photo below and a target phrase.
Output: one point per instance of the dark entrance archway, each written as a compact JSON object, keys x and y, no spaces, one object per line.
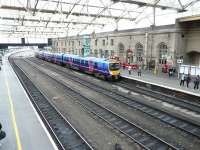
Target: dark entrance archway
{"x":121,"y":49}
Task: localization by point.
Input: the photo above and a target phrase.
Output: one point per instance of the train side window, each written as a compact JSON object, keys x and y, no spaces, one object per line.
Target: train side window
{"x":100,"y":66}
{"x":86,"y":63}
{"x":78,"y":61}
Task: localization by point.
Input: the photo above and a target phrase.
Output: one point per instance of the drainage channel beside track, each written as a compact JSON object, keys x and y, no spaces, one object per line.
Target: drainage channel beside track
{"x":175,"y":121}
{"x":64,"y":134}
{"x":136,"y":133}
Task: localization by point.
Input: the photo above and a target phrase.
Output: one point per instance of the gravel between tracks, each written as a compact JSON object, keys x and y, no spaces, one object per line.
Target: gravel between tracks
{"x":69,"y":108}
{"x":101,"y":137}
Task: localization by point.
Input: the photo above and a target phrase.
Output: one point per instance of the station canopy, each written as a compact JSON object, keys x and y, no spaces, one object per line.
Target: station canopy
{"x":60,"y":18}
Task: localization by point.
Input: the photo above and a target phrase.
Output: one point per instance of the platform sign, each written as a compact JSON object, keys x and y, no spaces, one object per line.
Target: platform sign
{"x":179,"y":61}
{"x":86,"y":45}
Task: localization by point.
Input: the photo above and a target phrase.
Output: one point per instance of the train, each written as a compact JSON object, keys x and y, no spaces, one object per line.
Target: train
{"x":108,"y":69}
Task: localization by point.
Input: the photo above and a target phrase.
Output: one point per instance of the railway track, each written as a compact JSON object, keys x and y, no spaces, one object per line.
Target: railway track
{"x":182,"y":103}
{"x":195,"y":107}
{"x":139,"y":135}
{"x":179,"y":123}
{"x":64,"y":134}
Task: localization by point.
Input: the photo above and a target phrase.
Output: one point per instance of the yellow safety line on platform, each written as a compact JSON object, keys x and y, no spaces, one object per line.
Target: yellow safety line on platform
{"x":19,"y":146}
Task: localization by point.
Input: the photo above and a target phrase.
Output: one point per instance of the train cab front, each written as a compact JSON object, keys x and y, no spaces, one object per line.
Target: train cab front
{"x":114,"y":68}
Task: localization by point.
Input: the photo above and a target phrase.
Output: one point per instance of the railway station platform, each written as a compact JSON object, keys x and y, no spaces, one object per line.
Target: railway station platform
{"x":24,"y":129}
{"x":161,"y":80}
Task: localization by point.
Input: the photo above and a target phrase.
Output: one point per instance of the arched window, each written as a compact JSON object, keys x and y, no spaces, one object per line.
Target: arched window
{"x":163,"y":50}
{"x":96,"y":53}
{"x":139,"y":51}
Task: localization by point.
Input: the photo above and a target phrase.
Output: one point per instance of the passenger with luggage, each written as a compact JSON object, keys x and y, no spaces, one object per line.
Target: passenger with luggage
{"x":182,"y":79}
{"x":196,"y":82}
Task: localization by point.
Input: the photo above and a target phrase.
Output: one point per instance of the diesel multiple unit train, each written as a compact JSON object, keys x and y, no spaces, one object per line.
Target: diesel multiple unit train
{"x":100,"y":67}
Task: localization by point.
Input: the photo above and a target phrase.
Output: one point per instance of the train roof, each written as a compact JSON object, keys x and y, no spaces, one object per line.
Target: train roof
{"x":71,"y":55}
{"x":102,"y":60}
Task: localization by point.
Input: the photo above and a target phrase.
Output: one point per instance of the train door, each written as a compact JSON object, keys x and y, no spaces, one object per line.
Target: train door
{"x":91,"y":66}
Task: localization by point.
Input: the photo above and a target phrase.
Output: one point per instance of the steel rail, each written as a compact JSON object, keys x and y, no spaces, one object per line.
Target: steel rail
{"x":195,"y":107}
{"x":64,"y":134}
{"x":166,"y":117}
{"x":144,"y":138}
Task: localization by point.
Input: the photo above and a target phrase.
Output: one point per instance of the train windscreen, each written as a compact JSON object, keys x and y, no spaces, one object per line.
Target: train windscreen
{"x":114,"y":66}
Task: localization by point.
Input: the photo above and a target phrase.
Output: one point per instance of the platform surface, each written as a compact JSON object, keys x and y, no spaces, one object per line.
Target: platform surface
{"x":162,"y":80}
{"x":24,"y":129}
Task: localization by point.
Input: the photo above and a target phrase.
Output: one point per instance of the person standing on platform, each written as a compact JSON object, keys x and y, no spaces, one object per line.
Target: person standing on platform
{"x":196,"y":82}
{"x":129,"y":70}
{"x":188,"y":79}
{"x":170,"y":72}
{"x":139,"y":71}
{"x":182,"y":79}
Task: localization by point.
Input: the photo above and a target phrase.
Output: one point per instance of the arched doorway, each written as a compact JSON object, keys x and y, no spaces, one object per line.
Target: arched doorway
{"x":139,"y":52}
{"x":121,"y":52}
{"x":129,"y":56}
{"x":163,"y":52}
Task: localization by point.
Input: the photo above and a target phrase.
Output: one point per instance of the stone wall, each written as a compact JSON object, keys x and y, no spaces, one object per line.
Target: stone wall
{"x":181,"y":39}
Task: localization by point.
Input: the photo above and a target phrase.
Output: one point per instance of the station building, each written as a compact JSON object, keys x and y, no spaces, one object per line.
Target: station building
{"x":151,"y":46}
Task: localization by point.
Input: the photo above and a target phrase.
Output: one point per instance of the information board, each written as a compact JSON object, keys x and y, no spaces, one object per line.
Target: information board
{"x":193,"y":71}
{"x":182,"y":68}
{"x":186,"y":70}
{"x":197,"y":71}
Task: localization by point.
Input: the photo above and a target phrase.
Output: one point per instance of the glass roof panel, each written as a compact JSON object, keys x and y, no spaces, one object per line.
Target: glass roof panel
{"x":71,"y":17}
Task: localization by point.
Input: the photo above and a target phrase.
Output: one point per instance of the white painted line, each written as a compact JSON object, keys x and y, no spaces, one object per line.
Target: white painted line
{"x":12,"y":111}
{"x":37,"y":115}
{"x":167,"y":87}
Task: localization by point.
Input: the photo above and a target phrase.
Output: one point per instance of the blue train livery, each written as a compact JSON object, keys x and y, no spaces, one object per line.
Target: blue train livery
{"x":100,"y":67}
